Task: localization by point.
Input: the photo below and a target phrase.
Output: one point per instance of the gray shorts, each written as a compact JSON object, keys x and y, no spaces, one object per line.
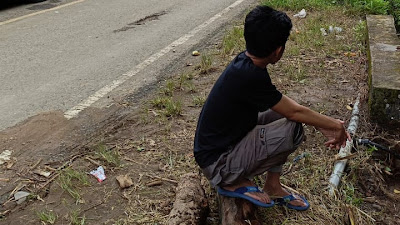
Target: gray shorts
{"x":265,"y":148}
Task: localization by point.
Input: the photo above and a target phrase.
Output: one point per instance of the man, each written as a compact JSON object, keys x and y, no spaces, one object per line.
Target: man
{"x":247,"y":127}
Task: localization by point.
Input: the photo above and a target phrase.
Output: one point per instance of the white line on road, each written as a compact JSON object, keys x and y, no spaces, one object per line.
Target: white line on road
{"x":74,"y":111}
{"x":40,"y":12}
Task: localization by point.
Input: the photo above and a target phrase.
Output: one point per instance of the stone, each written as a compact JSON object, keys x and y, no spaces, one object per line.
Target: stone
{"x":384,"y":70}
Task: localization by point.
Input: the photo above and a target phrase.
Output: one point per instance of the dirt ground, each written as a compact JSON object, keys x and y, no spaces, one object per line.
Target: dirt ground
{"x":151,"y":141}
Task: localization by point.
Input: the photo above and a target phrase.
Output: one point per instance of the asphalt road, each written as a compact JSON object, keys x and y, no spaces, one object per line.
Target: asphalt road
{"x":57,"y":54}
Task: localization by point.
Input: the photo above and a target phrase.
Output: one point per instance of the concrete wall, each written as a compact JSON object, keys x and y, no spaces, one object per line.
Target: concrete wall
{"x":384,"y":70}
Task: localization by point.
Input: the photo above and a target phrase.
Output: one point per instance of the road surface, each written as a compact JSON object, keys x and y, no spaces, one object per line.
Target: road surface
{"x":70,"y":55}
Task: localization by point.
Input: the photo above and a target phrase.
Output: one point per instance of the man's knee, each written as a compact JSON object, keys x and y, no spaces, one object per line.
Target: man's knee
{"x":298,"y":134}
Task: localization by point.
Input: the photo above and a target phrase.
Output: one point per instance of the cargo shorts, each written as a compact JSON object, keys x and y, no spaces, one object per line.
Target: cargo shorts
{"x":265,"y":148}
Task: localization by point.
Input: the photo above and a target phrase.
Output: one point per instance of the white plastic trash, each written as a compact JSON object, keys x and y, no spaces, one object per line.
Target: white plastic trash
{"x":301,"y":14}
{"x":99,"y":173}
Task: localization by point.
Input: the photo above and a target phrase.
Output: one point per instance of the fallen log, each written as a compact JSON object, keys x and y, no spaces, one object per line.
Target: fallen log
{"x":236,"y":211}
{"x":191,"y":205}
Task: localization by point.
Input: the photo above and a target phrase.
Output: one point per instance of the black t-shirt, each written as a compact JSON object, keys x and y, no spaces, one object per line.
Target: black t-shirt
{"x":231,"y":110}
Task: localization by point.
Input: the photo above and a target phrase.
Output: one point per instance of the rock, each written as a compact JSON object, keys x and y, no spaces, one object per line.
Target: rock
{"x":20,"y":196}
{"x":124,"y":181}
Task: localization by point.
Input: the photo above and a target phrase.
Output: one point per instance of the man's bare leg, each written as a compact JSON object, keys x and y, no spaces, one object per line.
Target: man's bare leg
{"x":274,"y":188}
{"x":260,"y":196}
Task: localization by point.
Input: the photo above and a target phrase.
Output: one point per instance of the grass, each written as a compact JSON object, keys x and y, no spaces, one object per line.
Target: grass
{"x":47,"y":217}
{"x":75,"y":219}
{"x":167,"y":106}
{"x":69,"y":180}
{"x":199,"y":101}
{"x":206,"y":63}
{"x":233,"y":41}
{"x":110,"y":156}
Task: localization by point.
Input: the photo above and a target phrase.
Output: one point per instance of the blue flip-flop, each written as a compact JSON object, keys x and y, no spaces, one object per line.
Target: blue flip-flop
{"x":285,"y":201}
{"x":239,"y":193}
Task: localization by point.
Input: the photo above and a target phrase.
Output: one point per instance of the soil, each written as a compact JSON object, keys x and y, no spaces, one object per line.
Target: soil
{"x":156,"y":150}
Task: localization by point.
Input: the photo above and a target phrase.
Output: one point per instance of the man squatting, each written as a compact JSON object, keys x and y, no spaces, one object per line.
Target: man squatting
{"x":247,"y":127}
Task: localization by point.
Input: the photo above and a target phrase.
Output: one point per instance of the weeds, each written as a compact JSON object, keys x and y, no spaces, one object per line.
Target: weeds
{"x":169,"y":88}
{"x":111,"y":156}
{"x":361,"y":35}
{"x":168,"y":106}
{"x":47,"y":217}
{"x":75,"y":219}
{"x":199,"y":101}
{"x":206,"y":63}
{"x":233,"y":41}
{"x":69,"y":179}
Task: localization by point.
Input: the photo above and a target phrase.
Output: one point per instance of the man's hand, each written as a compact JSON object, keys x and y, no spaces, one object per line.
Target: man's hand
{"x":331,"y":128}
{"x":336,"y":137}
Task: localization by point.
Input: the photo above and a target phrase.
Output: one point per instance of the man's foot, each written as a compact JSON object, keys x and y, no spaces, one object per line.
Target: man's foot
{"x":277,"y":191}
{"x":259,"y":196}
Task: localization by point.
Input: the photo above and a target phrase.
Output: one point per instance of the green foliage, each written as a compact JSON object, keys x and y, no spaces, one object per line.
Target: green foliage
{"x":361,"y":34}
{"x":75,"y":219}
{"x":394,"y":9}
{"x":206,"y":63}
{"x":350,"y":195}
{"x":363,"y":6}
{"x":69,"y":179}
{"x":233,"y":41}
{"x":199,"y":101}
{"x":369,"y":6}
{"x":296,"y":5}
{"x":111,"y":156}
{"x":47,"y":217}
{"x":168,"y":106}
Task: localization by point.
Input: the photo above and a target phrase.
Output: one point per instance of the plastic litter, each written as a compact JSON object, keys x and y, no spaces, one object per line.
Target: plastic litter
{"x":5,"y":156}
{"x":301,"y":14}
{"x":20,"y":196}
{"x":99,"y":173}
{"x":323,"y":31}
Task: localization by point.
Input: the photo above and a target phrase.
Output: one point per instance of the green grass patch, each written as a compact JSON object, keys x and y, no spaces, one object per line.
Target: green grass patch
{"x":111,"y":156}
{"x":199,"y":101}
{"x":206,"y":63}
{"x":298,"y":4}
{"x":75,"y":219}
{"x":233,"y":41}
{"x":70,"y":179}
{"x":47,"y":217}
{"x":167,"y":106}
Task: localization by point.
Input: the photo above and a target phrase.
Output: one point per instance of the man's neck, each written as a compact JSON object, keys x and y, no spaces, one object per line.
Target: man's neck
{"x":257,"y":61}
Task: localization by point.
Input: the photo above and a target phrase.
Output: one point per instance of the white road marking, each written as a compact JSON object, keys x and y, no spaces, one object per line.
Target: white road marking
{"x":40,"y":12}
{"x":74,"y":111}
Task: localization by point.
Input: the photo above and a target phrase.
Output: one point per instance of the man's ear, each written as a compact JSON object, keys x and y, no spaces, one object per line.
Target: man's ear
{"x":278,"y":50}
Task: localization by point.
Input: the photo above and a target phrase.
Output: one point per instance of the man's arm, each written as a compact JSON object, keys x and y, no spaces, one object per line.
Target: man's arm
{"x":331,"y":128}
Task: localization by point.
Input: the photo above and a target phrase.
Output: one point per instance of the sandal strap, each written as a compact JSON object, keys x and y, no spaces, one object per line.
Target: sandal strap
{"x":286,"y":199}
{"x":243,"y":190}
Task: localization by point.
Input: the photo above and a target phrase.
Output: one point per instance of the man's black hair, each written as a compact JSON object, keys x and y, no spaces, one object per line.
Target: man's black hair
{"x":265,"y":30}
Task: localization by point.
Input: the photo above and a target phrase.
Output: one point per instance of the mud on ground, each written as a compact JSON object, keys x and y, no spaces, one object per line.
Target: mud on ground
{"x":152,"y":143}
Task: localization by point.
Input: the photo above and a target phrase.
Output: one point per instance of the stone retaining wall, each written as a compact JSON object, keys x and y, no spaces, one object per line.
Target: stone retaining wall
{"x":384,"y":70}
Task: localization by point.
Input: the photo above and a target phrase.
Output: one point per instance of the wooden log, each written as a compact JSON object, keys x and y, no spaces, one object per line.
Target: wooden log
{"x":191,"y":205}
{"x":236,"y":211}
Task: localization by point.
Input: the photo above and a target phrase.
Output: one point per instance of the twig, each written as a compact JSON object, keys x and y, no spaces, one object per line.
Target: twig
{"x":91,"y":207}
{"x":4,"y":179}
{"x":35,"y":165}
{"x":161,"y":178}
{"x":338,"y":158}
{"x":92,"y":161}
{"x":364,"y":213}
{"x":49,"y":181}
{"x":290,"y":189}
